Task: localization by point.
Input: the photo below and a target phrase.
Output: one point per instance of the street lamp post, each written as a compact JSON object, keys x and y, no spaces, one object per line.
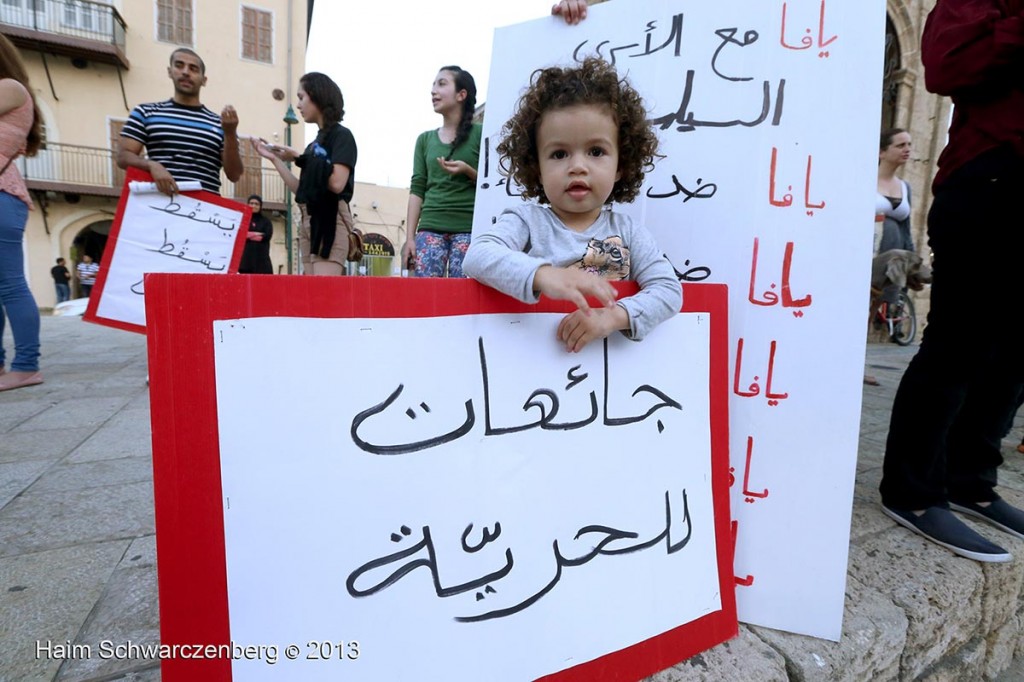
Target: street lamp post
{"x":290,"y":119}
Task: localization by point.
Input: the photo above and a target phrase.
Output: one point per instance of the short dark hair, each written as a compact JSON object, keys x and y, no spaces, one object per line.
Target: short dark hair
{"x":326,"y":95}
{"x":595,"y":82}
{"x":59,"y":261}
{"x":202,"y":64}
{"x":257,"y":197}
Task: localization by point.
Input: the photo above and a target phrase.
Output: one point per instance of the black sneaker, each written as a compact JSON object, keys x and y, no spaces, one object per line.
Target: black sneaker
{"x":1000,"y":514}
{"x":939,"y":525}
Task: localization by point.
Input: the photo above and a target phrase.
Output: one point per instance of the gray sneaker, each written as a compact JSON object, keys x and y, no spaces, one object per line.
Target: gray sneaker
{"x":939,"y":525}
{"x":1000,"y":514}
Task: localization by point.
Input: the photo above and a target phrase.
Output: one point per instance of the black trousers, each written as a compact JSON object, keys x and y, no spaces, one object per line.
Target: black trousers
{"x":958,"y":392}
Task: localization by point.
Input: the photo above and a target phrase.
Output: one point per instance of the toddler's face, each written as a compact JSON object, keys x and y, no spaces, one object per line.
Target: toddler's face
{"x":578,"y":148}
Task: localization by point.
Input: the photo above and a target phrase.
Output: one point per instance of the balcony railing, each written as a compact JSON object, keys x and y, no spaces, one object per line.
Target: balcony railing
{"x":76,"y":169}
{"x":75,"y":28}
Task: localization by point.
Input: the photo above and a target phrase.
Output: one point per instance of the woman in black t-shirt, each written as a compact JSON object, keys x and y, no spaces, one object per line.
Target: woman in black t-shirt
{"x":323,"y":190}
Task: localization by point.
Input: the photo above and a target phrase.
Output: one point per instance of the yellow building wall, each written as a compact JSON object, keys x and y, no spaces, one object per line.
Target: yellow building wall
{"x":81,"y":102}
{"x":380,"y":209}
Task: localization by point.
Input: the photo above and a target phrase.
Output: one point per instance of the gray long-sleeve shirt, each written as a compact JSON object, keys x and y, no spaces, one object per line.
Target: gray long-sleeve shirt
{"x":508,"y":253}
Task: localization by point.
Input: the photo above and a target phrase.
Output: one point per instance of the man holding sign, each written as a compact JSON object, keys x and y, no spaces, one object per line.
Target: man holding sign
{"x":168,"y":224}
{"x":183,"y":139}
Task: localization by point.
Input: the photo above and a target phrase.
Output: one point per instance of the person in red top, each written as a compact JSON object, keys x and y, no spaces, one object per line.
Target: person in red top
{"x":953,"y":402}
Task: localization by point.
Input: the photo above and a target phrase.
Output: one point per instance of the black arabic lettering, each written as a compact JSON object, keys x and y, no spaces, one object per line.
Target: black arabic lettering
{"x":544,"y":400}
{"x":430,"y":561}
{"x":703,"y":191}
{"x":168,"y":249}
{"x":695,"y":274}
{"x":612,"y":535}
{"x":546,"y":415}
{"x":404,"y":448}
{"x":666,"y":401}
{"x":685,"y":120}
{"x":486,"y":537}
{"x":675,"y":38}
{"x":728,"y":36}
{"x":174,"y":208}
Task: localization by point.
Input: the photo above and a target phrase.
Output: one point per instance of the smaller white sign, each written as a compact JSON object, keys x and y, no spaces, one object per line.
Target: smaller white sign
{"x":185,"y":234}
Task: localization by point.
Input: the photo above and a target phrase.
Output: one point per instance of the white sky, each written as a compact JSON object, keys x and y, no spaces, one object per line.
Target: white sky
{"x":384,"y":55}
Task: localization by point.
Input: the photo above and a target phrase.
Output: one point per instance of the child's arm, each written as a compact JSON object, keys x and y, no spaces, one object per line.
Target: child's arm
{"x":660,"y":295}
{"x":497,"y":257}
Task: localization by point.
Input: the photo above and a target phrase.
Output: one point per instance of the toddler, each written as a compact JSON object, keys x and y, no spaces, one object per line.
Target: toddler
{"x":578,"y":141}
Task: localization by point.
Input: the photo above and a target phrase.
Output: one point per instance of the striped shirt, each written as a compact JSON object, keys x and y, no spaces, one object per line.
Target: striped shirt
{"x":87,"y":273}
{"x":187,"y":141}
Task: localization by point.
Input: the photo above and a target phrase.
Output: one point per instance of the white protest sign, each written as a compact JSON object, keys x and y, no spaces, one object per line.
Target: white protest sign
{"x":196,"y":232}
{"x":406,"y":509}
{"x":767,"y":114}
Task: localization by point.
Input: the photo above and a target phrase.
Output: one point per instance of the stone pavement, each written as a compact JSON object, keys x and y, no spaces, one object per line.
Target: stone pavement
{"x":78,"y":560}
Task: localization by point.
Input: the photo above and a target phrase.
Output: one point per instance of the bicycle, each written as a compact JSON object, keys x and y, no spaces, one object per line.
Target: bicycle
{"x":899,"y":319}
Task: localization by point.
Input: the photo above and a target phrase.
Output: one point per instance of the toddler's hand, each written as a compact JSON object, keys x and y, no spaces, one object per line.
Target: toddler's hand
{"x":576,"y":329}
{"x":570,"y":284}
{"x":573,"y":11}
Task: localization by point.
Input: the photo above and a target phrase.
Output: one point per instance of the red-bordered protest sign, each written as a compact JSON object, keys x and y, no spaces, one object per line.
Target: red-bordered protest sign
{"x":193,"y":232}
{"x":204,"y":492}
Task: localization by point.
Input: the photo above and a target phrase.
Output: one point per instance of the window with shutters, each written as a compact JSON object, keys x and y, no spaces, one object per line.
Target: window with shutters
{"x":257,"y":35}
{"x":174,"y":21}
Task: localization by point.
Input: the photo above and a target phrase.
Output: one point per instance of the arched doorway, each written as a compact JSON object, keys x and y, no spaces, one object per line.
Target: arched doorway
{"x":91,"y":240}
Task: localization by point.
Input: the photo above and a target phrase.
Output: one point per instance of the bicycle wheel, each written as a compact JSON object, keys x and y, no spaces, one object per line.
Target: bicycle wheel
{"x":904,"y":320}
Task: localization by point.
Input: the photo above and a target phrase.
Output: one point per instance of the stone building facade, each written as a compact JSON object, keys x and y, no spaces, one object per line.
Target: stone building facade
{"x":907,"y":104}
{"x":926,"y":116}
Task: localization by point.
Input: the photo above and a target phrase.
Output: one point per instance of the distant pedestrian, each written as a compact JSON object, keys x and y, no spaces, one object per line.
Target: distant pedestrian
{"x":256,"y":256}
{"x":892,"y":200}
{"x":61,"y":281}
{"x":87,"y":271}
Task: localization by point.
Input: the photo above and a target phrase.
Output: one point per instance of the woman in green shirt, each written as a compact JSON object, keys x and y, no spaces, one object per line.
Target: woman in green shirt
{"x":443,"y":186}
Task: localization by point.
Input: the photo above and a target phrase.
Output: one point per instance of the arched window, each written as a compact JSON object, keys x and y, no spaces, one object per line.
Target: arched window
{"x":891,"y":72}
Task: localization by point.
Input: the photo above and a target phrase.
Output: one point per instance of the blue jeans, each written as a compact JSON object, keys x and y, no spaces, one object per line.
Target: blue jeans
{"x":63,"y":292}
{"x":15,"y":298}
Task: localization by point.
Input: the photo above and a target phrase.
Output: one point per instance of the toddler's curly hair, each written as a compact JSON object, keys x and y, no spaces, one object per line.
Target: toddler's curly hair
{"x":594,"y":81}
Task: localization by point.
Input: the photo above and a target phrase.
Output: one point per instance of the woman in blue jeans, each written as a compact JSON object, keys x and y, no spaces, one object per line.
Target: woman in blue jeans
{"x":19,"y":134}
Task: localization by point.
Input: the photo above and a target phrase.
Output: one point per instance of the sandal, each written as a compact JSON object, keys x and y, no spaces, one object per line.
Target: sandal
{"x":11,"y":380}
